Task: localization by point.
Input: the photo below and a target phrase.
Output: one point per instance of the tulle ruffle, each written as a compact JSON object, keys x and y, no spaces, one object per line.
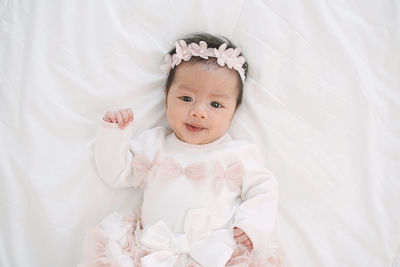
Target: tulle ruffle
{"x":113,"y":243}
{"x":242,"y":257}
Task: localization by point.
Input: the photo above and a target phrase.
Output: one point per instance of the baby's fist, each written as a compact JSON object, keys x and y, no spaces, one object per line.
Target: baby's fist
{"x":242,"y":238}
{"x":123,"y":117}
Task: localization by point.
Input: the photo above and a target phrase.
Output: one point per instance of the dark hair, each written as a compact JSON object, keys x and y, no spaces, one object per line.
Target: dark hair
{"x":212,"y":41}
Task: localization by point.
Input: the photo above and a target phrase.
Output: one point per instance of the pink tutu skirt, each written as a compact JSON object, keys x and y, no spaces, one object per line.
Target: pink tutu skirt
{"x":113,"y":243}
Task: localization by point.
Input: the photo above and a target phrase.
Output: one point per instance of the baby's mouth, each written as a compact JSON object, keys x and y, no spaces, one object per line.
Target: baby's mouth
{"x":193,"y":127}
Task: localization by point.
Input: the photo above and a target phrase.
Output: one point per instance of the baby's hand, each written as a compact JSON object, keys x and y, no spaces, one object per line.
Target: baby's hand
{"x":122,"y":117}
{"x":242,"y":238}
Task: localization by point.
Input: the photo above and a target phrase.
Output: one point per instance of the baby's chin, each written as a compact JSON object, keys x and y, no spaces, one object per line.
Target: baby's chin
{"x":194,"y":140}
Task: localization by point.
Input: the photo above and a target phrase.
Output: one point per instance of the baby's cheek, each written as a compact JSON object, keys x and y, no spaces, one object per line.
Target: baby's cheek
{"x":174,"y":114}
{"x":224,"y":122}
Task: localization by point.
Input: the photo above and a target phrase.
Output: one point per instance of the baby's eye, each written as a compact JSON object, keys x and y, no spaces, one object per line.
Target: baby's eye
{"x":216,"y":104}
{"x":186,"y":98}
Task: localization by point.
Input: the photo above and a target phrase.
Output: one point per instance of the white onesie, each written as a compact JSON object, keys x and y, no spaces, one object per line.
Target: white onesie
{"x":193,"y":195}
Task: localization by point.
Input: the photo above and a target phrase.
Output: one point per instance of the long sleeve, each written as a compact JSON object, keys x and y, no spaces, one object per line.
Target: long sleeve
{"x":112,"y":154}
{"x":256,"y":215}
{"x":115,"y":149}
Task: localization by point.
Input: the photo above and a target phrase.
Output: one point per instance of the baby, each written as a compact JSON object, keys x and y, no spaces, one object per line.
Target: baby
{"x":207,"y":199}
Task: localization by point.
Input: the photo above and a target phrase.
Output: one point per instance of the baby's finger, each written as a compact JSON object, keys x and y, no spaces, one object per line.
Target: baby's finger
{"x":248,"y":244}
{"x":120,"y":120}
{"x":125,"y":116}
{"x":107,"y":119}
{"x":113,"y":117}
{"x":130,"y":114}
{"x":241,"y":238}
{"x":108,"y":116}
{"x":237,"y":231}
{"x":250,"y":248}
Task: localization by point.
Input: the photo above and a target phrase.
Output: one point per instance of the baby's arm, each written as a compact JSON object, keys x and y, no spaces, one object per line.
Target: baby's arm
{"x":111,"y":150}
{"x":257,"y":213}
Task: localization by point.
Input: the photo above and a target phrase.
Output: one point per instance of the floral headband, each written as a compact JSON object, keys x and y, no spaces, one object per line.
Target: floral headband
{"x":229,"y":56}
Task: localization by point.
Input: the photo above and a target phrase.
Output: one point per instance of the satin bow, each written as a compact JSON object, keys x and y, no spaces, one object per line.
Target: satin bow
{"x":207,"y":246}
{"x":232,"y":176}
{"x":141,"y":167}
{"x":170,"y":169}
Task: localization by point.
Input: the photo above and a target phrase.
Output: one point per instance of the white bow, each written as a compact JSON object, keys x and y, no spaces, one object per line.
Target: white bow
{"x":207,"y":246}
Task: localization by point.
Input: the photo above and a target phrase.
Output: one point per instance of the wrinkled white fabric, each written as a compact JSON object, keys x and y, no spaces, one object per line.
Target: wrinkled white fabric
{"x":321,"y":100}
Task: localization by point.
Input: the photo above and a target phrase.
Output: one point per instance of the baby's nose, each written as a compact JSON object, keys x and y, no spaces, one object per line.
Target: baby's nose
{"x":198,"y":112}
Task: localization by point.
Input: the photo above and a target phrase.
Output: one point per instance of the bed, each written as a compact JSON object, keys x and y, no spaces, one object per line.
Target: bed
{"x":321,"y":101}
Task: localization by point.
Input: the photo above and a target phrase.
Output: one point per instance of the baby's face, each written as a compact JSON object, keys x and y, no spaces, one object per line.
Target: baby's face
{"x":201,"y":102}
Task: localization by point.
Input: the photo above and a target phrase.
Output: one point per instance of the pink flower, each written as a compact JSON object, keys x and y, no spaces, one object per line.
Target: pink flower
{"x":220,"y":54}
{"x":175,"y":60}
{"x":229,"y":57}
{"x":167,"y":64}
{"x":182,"y":51}
{"x":201,"y":50}
{"x":236,"y":60}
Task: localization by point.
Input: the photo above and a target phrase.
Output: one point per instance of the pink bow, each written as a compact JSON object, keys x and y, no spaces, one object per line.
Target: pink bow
{"x":141,"y":167}
{"x":232,"y":176}
{"x":170,"y":169}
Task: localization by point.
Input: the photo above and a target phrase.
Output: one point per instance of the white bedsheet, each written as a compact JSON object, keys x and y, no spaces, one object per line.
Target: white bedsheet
{"x":322,"y":102}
